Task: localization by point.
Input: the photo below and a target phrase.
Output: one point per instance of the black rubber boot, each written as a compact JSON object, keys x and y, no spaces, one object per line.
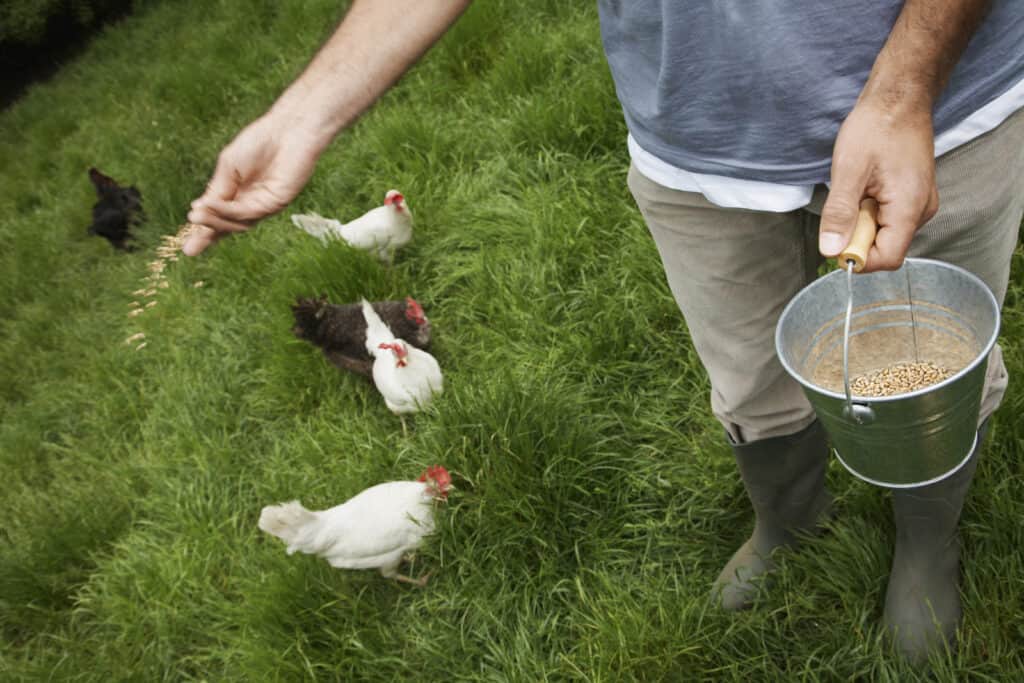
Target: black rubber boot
{"x":785,"y":481}
{"x":922,"y":603}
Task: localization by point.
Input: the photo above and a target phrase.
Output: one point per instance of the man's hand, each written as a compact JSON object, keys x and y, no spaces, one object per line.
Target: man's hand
{"x":257,"y":175}
{"x":266,"y":166}
{"x":885,"y":149}
{"x":889,"y":156}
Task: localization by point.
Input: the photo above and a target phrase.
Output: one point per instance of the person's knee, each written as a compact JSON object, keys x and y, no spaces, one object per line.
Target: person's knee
{"x":749,"y":428}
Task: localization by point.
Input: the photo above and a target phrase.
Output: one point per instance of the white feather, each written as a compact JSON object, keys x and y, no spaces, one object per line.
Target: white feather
{"x":323,"y":229}
{"x":381,"y":230}
{"x":377,"y":331}
{"x":408,"y":387}
{"x":372,"y":530}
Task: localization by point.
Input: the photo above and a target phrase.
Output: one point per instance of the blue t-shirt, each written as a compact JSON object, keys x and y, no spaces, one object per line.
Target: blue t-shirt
{"x":757,"y":89}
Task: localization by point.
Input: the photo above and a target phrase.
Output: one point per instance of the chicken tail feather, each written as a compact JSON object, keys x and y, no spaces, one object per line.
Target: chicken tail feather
{"x":377,"y":331}
{"x":317,"y":226}
{"x":285,"y":521}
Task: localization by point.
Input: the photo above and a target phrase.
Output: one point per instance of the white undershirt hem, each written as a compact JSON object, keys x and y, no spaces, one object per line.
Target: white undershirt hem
{"x":735,"y":193}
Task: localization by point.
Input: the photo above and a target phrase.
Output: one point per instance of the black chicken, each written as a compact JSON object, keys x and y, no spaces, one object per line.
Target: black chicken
{"x":118,"y":210}
{"x":340,"y":330}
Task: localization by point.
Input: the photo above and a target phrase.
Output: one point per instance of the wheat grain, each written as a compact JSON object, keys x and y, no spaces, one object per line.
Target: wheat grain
{"x":168,"y":252}
{"x":900,"y":378}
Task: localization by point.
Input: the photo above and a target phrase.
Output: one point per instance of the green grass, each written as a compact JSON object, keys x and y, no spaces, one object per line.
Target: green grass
{"x":596,"y":499}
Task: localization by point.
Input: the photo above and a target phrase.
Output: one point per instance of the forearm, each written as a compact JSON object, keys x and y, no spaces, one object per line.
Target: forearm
{"x":886,"y":146}
{"x":377,"y":41}
{"x":925,"y":44}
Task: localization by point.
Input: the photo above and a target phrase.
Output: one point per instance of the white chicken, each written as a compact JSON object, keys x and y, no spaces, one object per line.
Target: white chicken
{"x":407,"y":377}
{"x":374,"y":529}
{"x":382,"y":230}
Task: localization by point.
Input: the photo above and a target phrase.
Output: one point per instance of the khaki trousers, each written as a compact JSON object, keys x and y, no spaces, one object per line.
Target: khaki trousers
{"x":732,"y":271}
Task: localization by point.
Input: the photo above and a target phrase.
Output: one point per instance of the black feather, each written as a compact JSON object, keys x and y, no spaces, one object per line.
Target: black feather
{"x":118,"y":210}
{"x":340,"y":330}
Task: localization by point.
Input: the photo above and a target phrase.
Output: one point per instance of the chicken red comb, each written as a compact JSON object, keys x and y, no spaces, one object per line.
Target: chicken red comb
{"x":395,"y":198}
{"x":413,"y":311}
{"x":440,"y":477}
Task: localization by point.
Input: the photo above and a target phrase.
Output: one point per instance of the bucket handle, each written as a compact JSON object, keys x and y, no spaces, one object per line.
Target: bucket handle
{"x":863,"y":237}
{"x":854,"y":256}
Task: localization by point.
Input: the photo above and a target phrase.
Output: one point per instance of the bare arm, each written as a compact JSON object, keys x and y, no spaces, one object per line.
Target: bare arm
{"x":271,"y":160}
{"x":375,"y":44}
{"x":885,"y":148}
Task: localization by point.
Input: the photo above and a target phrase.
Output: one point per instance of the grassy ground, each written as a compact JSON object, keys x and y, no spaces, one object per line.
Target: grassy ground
{"x":596,"y":500}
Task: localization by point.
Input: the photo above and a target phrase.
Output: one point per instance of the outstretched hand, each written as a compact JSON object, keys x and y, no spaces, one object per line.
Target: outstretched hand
{"x":889,"y":156}
{"x":257,"y":175}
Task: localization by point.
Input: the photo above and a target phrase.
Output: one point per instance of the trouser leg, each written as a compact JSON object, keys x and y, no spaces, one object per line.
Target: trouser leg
{"x":981,"y":200}
{"x":732,"y":272}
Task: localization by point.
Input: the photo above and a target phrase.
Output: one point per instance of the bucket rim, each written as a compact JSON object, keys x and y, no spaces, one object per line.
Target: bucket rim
{"x":981,"y":357}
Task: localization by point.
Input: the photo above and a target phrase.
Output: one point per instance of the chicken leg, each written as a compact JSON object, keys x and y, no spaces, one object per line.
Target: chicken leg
{"x":420,"y":582}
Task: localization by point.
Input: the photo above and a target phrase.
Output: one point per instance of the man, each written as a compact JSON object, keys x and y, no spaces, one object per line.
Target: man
{"x":739,"y":112}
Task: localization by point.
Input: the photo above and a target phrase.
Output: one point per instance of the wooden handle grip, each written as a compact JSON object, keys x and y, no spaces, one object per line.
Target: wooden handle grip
{"x":863,"y":236}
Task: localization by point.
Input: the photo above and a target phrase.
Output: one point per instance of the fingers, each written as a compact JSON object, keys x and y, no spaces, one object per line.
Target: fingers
{"x":915,"y":201}
{"x":225,"y":181}
{"x":890,"y":160}
{"x":212,"y":229}
{"x":245,"y":211}
{"x":839,"y":215}
{"x":906,"y":196}
{"x":203,"y":216}
{"x":200,"y":240}
{"x":213,"y":225}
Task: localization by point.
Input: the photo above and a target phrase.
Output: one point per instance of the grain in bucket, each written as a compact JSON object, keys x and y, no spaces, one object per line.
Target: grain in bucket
{"x":929,"y":316}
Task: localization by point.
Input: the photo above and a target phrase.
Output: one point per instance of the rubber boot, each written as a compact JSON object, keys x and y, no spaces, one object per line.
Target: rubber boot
{"x":922,"y":603}
{"x":785,"y":481}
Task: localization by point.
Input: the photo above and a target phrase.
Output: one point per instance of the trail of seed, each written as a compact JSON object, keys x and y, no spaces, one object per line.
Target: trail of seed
{"x":167,"y":252}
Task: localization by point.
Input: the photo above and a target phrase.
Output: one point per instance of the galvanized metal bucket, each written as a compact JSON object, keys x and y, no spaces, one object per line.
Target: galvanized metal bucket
{"x":926,"y":310}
